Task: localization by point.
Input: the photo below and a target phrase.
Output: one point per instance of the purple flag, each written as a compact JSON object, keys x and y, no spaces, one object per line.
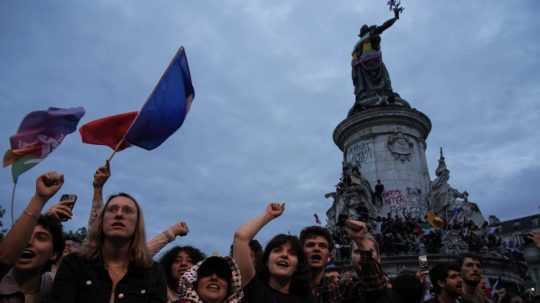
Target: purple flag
{"x":38,"y":135}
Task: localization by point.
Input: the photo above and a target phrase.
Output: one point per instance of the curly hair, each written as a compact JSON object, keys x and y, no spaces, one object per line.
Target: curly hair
{"x":301,"y":277}
{"x":168,"y":258}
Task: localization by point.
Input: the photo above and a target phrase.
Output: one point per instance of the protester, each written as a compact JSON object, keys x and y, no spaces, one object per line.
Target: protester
{"x":331,"y":273}
{"x":100,"y":178}
{"x":447,"y":283}
{"x":214,"y":280}
{"x":318,"y":245}
{"x":31,"y":246}
{"x":115,"y":263}
{"x":179,"y":229}
{"x":370,"y":283}
{"x":285,"y":274}
{"x":175,"y":262}
{"x":471,"y":273}
{"x":61,"y":211}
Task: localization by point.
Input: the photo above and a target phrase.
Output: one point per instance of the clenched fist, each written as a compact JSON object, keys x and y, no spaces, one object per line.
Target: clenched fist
{"x":48,"y":184}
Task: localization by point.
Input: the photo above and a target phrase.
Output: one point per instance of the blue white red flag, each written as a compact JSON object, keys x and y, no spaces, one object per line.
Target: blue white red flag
{"x":166,"y":108}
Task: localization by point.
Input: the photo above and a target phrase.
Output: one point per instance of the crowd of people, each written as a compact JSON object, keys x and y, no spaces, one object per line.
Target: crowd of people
{"x":115,"y":262}
{"x":401,"y":235}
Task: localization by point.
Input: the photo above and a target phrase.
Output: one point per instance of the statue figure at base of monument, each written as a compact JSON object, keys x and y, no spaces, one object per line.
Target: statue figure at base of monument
{"x":353,"y":198}
{"x":372,"y":85}
{"x":448,"y":202}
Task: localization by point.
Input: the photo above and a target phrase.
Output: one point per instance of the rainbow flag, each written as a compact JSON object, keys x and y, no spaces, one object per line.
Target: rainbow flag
{"x":38,"y":135}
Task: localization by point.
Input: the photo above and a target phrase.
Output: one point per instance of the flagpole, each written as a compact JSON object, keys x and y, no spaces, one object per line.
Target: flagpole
{"x":13,"y":201}
{"x":116,"y":149}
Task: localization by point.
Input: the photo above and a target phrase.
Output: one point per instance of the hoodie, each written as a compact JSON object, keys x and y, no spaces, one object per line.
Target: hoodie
{"x":188,"y":293}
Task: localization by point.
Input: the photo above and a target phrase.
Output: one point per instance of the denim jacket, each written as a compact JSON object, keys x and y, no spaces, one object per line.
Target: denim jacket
{"x":81,"y":280}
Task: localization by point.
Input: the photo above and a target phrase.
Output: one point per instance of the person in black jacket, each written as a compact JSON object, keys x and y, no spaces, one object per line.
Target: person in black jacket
{"x":114,"y":265}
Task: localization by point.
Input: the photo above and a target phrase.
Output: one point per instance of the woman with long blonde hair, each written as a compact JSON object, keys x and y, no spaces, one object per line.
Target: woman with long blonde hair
{"x":114,"y":265}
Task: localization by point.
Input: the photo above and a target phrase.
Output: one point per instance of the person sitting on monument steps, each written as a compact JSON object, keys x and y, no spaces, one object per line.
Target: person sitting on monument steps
{"x":114,"y":265}
{"x":32,"y":245}
{"x":378,"y":195}
{"x":471,"y":273}
{"x":318,"y":246}
{"x":285,"y":274}
{"x":447,"y":283}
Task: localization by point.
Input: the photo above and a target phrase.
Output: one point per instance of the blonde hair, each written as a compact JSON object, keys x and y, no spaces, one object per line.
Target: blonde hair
{"x":138,"y":251}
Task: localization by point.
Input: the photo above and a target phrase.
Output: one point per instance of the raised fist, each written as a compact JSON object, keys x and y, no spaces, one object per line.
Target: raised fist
{"x":102,"y":175}
{"x":179,"y":229}
{"x":48,"y":184}
{"x":356,"y":230}
{"x":274,"y":210}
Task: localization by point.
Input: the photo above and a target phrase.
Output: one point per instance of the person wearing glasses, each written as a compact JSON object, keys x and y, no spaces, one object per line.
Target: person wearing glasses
{"x":114,"y":265}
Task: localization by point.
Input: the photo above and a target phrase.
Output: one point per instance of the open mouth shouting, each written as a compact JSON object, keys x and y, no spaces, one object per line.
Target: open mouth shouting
{"x":283,"y":263}
{"x":27,"y":254}
{"x":316,"y":258}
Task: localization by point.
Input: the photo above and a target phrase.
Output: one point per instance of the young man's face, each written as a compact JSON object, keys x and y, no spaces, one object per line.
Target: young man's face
{"x":317,"y":251}
{"x":282,"y":261}
{"x":39,"y":251}
{"x":333,"y":276}
{"x":453,"y":284}
{"x":120,"y":218}
{"x":366,"y":245}
{"x":471,"y":271}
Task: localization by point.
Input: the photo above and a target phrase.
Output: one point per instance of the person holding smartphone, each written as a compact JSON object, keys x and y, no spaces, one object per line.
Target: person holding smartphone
{"x":31,"y":246}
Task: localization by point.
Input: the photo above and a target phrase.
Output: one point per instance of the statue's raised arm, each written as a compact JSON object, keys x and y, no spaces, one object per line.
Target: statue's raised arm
{"x":387,"y":24}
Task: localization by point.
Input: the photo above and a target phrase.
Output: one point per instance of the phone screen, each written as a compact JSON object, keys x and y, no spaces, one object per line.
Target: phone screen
{"x":423,"y":263}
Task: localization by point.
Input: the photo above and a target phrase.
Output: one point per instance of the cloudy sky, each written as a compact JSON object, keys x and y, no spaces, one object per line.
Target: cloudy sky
{"x":272,"y":80}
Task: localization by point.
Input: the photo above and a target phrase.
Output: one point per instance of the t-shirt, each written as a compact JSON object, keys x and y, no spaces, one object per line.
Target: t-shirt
{"x":10,"y":291}
{"x":259,"y":292}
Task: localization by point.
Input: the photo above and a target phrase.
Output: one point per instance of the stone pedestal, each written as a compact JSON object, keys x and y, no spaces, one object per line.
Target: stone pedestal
{"x":388,"y":143}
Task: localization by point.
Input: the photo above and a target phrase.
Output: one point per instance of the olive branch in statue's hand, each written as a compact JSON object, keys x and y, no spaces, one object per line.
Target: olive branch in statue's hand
{"x":396,"y":7}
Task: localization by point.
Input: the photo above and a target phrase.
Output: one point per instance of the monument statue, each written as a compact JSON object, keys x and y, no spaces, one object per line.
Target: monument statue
{"x":372,"y":85}
{"x":353,"y":198}
{"x":450,"y":203}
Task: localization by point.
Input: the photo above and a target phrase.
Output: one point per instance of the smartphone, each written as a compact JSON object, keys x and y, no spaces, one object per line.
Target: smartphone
{"x":423,"y":264}
{"x":69,"y":198}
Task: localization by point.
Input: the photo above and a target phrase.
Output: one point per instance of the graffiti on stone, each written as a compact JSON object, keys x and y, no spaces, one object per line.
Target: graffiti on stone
{"x":359,"y":153}
{"x":395,"y":201}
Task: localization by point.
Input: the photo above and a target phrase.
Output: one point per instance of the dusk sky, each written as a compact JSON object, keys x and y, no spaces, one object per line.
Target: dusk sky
{"x":272,"y":81}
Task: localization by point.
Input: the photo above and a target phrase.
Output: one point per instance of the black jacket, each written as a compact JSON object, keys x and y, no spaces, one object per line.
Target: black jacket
{"x":81,"y":280}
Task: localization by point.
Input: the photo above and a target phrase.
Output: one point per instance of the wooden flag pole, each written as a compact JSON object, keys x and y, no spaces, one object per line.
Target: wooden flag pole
{"x":13,"y":202}
{"x":116,"y":149}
